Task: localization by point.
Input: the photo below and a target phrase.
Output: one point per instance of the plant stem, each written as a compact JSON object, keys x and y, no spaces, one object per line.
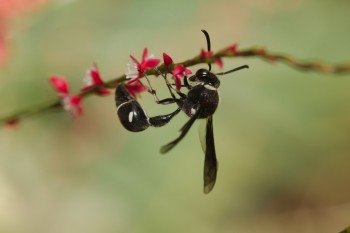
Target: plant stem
{"x":259,"y":52}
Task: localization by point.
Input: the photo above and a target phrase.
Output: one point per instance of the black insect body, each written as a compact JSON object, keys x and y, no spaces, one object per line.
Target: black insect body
{"x":131,"y":114}
{"x":129,"y":111}
{"x":200,"y":102}
{"x":203,"y":96}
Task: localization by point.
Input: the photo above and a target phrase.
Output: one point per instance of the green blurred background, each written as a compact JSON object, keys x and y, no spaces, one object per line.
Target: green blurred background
{"x":282,"y":136}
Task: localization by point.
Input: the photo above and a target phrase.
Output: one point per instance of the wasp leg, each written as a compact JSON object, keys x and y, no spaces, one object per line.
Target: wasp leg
{"x":164,"y":149}
{"x":155,"y":97}
{"x":170,"y":86}
{"x":159,"y":121}
{"x":169,"y":101}
{"x":186,"y":83}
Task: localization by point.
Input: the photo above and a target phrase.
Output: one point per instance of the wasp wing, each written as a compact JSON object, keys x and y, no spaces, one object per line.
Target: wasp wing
{"x":210,"y":162}
{"x":164,"y":149}
{"x":202,"y":131}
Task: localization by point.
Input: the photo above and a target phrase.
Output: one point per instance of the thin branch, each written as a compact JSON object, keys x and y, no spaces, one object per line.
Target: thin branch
{"x":291,"y":61}
{"x":225,"y":53}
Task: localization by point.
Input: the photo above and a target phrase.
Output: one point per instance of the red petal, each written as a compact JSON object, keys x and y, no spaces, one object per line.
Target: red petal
{"x":104,"y":92}
{"x":134,"y":60}
{"x":87,"y":88}
{"x":233,"y":48}
{"x":135,"y":79}
{"x":144,"y":55}
{"x":167,"y":59}
{"x":178,"y":83}
{"x":219,"y":62}
{"x":60,"y":85}
{"x":205,"y":54}
{"x":135,"y":88}
{"x":73,"y":104}
{"x":149,"y":64}
{"x":95,"y":75}
{"x":75,"y":100}
{"x":12,"y":123}
{"x":77,"y":111}
{"x":187,"y":71}
{"x":178,"y":70}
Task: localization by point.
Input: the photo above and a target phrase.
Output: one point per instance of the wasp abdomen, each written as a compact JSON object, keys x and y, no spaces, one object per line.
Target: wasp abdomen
{"x":130,"y":112}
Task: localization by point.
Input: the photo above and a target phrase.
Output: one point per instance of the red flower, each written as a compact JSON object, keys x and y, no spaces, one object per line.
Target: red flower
{"x":136,"y":70}
{"x":93,"y":79}
{"x":204,"y":54}
{"x":71,"y":103}
{"x":179,"y":72}
{"x":168,"y":61}
{"x":219,"y":62}
{"x":12,"y":123}
{"x":59,"y":84}
{"x":135,"y":88}
{"x":232,"y":48}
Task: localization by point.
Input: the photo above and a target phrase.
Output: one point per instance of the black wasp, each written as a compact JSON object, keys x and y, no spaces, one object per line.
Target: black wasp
{"x":200,"y":102}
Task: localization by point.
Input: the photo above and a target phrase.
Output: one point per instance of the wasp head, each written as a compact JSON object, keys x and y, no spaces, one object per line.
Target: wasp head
{"x":206,"y":77}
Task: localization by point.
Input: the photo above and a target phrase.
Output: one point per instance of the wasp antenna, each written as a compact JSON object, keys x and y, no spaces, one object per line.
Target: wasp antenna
{"x":209,"y":65}
{"x":234,"y":70}
{"x":207,"y":37}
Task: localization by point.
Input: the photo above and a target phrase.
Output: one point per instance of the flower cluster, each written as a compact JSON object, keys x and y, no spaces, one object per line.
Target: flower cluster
{"x":135,"y":88}
{"x":178,"y":72}
{"x":73,"y":103}
{"x":204,"y":54}
{"x":93,"y":79}
{"x":137,"y":69}
{"x":232,"y":49}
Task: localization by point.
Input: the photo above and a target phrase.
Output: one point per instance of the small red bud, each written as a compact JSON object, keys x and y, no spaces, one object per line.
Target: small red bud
{"x":167,"y":59}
